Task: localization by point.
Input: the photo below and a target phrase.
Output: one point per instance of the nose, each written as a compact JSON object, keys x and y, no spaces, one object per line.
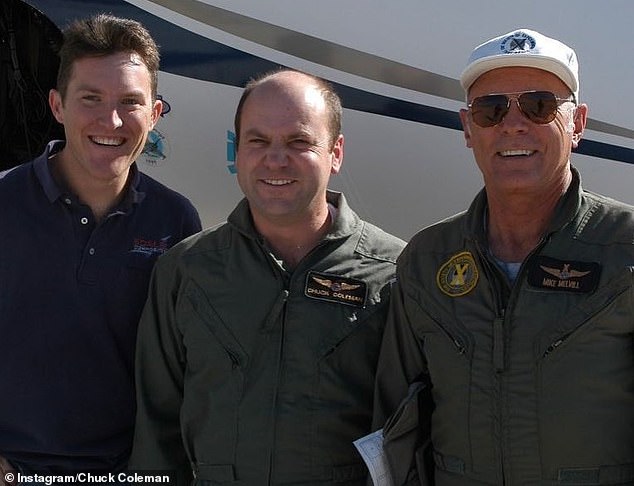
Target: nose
{"x":514,"y":118}
{"x":276,"y":156}
{"x":111,"y":118}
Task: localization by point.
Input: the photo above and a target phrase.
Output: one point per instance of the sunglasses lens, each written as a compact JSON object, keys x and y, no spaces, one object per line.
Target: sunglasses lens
{"x":488,"y":111}
{"x":539,"y":106}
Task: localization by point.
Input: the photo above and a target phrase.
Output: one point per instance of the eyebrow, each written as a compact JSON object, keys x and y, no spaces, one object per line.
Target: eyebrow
{"x":93,"y":89}
{"x":255,"y":132}
{"x":251,"y":132}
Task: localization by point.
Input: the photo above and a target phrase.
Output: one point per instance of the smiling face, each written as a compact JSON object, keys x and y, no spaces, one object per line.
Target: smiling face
{"x":107,"y":113}
{"x":285,"y":155}
{"x":517,"y":155}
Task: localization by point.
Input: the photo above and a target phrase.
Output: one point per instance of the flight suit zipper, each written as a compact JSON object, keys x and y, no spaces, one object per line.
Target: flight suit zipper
{"x":496,"y":280}
{"x":279,"y":310}
{"x":500,"y":325}
{"x":278,"y":313}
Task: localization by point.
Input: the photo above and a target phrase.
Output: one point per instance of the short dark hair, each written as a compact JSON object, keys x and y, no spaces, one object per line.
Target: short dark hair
{"x":103,"y":35}
{"x":333,"y":102}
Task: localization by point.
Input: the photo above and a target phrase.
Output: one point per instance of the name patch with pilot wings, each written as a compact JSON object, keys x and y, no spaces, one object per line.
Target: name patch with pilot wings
{"x":563,"y":275}
{"x":335,"y":288}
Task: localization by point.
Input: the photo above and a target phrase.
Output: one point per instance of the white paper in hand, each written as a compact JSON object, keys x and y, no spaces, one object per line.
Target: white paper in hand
{"x":371,"y":449}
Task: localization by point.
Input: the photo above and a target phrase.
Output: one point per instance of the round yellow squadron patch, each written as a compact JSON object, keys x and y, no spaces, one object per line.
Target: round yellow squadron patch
{"x":458,"y":276}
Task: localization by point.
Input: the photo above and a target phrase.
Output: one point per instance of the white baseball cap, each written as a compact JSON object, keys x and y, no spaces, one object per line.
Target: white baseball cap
{"x":525,"y":48}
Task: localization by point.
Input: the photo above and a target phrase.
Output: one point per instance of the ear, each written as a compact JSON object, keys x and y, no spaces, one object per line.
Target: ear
{"x":580,"y":119}
{"x":56,"y":104}
{"x":157,"y":109}
{"x":337,"y":155}
{"x":466,"y":126}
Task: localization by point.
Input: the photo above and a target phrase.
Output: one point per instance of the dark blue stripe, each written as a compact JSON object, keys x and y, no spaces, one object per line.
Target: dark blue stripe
{"x":606,"y":151}
{"x":188,"y":54}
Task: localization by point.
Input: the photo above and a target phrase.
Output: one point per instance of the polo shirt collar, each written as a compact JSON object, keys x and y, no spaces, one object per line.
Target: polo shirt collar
{"x":134,"y":194}
{"x":43,"y":172}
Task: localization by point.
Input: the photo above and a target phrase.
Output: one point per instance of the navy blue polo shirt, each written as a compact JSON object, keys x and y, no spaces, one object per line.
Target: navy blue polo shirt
{"x":71,"y":295}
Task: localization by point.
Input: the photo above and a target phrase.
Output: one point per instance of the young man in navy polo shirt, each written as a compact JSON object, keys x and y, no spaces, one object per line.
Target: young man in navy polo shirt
{"x":80,"y":229}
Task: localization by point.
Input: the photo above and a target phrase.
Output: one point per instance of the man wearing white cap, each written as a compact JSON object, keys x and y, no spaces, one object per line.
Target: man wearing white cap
{"x":516,"y":317}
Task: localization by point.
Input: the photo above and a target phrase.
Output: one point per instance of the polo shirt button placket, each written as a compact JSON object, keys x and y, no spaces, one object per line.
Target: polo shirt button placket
{"x":84,"y":220}
{"x":88,"y":265}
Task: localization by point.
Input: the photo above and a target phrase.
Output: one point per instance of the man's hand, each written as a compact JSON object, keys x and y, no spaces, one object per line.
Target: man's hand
{"x":8,"y":477}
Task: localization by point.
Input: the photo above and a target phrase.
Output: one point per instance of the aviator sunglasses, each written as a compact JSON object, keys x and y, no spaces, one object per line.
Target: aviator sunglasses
{"x":538,"y":106}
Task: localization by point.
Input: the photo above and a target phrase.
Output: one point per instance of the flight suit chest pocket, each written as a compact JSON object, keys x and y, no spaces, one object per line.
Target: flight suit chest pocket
{"x":210,"y":344}
{"x":596,"y":339}
{"x":599,"y":318}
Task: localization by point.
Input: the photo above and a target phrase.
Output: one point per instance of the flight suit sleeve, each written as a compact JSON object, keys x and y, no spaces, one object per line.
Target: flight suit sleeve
{"x":401,"y":361}
{"x":402,"y":399}
{"x":160,"y":366}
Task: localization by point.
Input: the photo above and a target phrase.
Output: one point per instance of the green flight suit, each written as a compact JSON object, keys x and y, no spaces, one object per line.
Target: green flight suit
{"x":531,"y":383}
{"x":249,"y":374}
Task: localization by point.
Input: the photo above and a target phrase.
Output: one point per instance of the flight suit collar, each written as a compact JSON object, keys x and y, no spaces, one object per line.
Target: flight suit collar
{"x":346,"y":222}
{"x":565,"y":211}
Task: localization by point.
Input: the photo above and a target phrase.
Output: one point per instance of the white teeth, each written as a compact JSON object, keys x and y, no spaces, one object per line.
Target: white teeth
{"x":278,"y":182}
{"x":512,"y":153}
{"x":107,"y":141}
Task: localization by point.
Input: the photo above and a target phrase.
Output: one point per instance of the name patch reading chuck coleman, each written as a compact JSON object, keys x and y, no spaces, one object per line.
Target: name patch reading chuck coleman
{"x":334,"y":288}
{"x":551,"y":274}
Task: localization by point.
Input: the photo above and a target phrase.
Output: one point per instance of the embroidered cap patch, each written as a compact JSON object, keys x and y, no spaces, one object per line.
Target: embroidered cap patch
{"x":458,"y":276}
{"x":561,"y":275}
{"x":335,"y":288}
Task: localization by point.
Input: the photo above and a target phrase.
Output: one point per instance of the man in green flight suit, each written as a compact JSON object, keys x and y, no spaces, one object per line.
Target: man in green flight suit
{"x":518,"y":314}
{"x":258,"y":344}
